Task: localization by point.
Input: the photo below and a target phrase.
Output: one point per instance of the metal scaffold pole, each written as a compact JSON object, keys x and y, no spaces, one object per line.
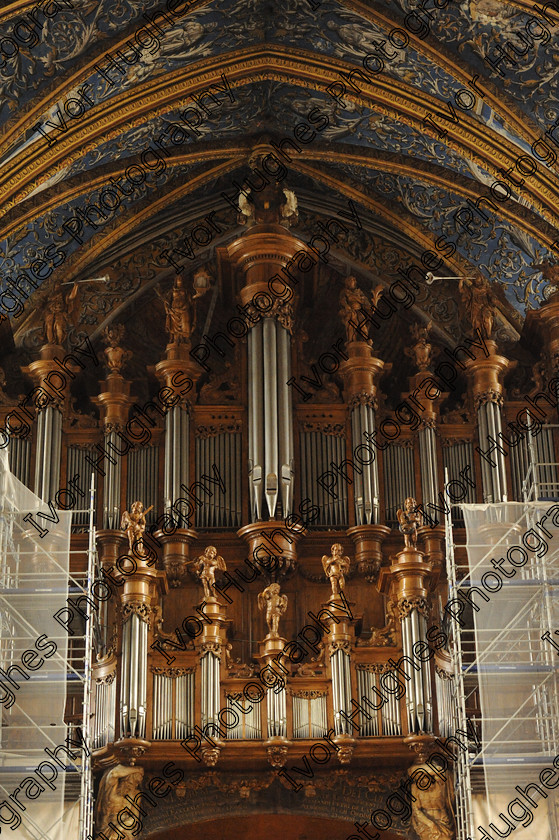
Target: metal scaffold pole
{"x":462,"y":781}
{"x":86,"y":788}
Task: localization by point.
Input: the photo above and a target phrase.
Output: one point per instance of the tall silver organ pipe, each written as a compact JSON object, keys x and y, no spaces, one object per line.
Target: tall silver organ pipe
{"x":493,"y":475}
{"x":428,"y":463}
{"x":48,"y":449}
{"x":366,"y":493}
{"x":277,"y":714}
{"x":177,"y":443}
{"x":417,"y":678}
{"x":210,"y":691}
{"x":270,"y":420}
{"x":341,"y":691}
{"x":112,"y":466}
{"x":133,"y":687}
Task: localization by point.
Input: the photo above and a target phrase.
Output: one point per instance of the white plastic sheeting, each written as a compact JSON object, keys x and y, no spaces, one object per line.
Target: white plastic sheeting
{"x":513,"y":561}
{"x":34,"y":566}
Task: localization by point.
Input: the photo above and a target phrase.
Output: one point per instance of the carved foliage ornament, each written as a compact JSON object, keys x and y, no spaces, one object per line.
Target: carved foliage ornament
{"x":407,"y":605}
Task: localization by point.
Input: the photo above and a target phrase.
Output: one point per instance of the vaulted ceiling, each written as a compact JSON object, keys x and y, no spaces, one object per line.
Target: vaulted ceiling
{"x":411,"y":143}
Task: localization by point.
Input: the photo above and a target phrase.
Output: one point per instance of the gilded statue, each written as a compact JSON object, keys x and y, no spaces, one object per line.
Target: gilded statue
{"x":410,"y":520}
{"x":206,"y":566}
{"x":479,"y":304}
{"x":181,"y":314}
{"x":60,"y":314}
{"x":422,"y":350}
{"x":274,"y":604}
{"x":352,"y":301}
{"x":134,"y":523}
{"x":116,"y":784}
{"x":115,"y":355}
{"x":432,"y":814}
{"x":336,"y":566}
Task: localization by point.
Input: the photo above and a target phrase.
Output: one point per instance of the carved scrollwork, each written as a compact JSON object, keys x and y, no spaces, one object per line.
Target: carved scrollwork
{"x":173,"y":673}
{"x":214,"y":647}
{"x":488,"y":396}
{"x":407,"y":605}
{"x":333,"y":429}
{"x":363,"y":398}
{"x":339,"y":644}
{"x":444,"y":675}
{"x":218,"y":429}
{"x":139,"y":608}
{"x":108,"y":679}
{"x":307,"y":694}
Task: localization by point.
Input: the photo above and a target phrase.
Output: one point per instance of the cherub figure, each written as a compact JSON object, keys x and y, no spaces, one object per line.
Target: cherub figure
{"x":410,"y":520}
{"x":274,"y":604}
{"x":336,"y":566}
{"x":352,"y":300}
{"x":60,"y":314}
{"x":181,"y":314}
{"x":116,"y":784}
{"x":479,"y":303}
{"x":134,"y":523}
{"x":206,"y":565}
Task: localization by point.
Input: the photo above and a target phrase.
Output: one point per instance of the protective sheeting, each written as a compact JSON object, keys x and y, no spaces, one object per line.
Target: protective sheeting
{"x":34,"y":566}
{"x":513,"y":585}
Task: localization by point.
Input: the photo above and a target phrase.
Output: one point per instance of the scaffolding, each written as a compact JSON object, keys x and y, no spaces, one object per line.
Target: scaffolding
{"x":502,"y":610}
{"x":45,"y":672}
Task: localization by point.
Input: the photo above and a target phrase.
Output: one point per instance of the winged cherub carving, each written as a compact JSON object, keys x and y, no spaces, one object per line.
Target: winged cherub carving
{"x":336,"y":566}
{"x":206,"y":566}
{"x":60,"y":314}
{"x":274,"y":604}
{"x":409,"y":520}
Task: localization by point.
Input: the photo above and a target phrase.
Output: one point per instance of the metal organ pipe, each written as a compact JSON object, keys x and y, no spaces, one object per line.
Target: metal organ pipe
{"x":428,"y":459}
{"x":270,"y":414}
{"x":270,"y":419}
{"x":285,"y":419}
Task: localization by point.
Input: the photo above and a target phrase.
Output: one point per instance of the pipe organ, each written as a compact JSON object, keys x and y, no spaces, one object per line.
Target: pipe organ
{"x":274,"y":576}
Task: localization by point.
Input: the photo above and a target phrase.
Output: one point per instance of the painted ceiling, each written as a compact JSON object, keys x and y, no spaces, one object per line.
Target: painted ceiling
{"x":419,"y":132}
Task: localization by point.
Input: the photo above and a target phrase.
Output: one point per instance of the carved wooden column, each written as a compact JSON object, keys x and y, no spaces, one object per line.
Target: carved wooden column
{"x":409,"y":581}
{"x":177,"y":461}
{"x":360,"y":372}
{"x":47,"y":376}
{"x":485,"y":374}
{"x":260,"y":255}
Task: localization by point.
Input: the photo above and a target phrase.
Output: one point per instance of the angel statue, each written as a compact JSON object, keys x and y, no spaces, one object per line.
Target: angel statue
{"x":181,"y":314}
{"x":60,"y":314}
{"x":134,"y":523}
{"x":206,"y":565}
{"x":336,"y":566}
{"x":479,"y":303}
{"x":274,"y":605}
{"x":410,"y":520}
{"x":352,"y":300}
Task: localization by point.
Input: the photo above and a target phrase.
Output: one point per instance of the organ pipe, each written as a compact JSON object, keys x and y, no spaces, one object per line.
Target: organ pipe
{"x":133,"y":696}
{"x":48,"y":448}
{"x":270,"y":420}
{"x":366,"y":496}
{"x":177,"y":441}
{"x":428,"y":462}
